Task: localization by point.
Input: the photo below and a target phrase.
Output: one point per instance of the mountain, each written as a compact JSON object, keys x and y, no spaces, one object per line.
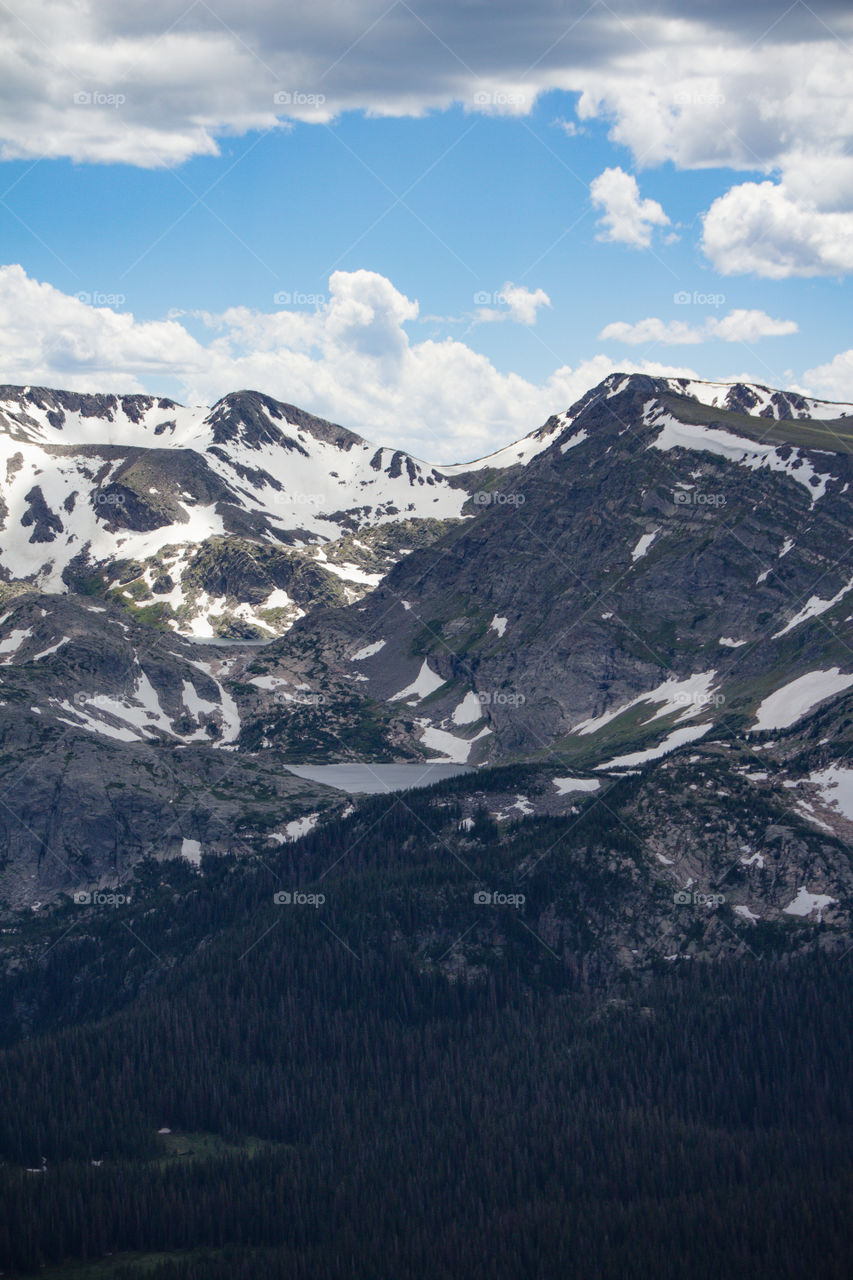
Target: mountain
{"x":582,"y":1006}
{"x":232,"y":520}
{"x":660,"y":568}
{"x":652,"y":585}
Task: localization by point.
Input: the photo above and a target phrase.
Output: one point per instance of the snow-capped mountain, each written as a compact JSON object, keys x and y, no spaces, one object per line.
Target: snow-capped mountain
{"x":94,"y":482}
{"x":236,"y":519}
{"x":666,"y":563}
{"x":654,"y":581}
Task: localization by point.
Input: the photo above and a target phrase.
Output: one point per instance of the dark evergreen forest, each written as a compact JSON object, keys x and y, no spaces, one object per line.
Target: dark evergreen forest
{"x":344,"y":1100}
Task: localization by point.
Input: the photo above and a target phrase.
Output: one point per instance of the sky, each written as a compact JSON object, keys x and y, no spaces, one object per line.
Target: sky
{"x":438,"y":222}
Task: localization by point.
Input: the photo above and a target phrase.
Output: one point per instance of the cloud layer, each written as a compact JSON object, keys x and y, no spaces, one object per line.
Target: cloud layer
{"x":738,"y":326}
{"x":749,"y":87}
{"x":351,"y":360}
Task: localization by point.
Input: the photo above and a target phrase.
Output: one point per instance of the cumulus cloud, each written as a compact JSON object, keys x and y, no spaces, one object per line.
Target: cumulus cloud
{"x":523,"y":303}
{"x":738,"y":326}
{"x":738,"y":85}
{"x":650,"y":330}
{"x":512,"y":302}
{"x":350,"y":360}
{"x":833,"y":380}
{"x":626,"y":218}
{"x":744,"y":87}
{"x":758,"y":228}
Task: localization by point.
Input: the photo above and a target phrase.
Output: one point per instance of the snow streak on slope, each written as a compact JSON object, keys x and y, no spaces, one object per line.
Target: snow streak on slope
{"x":759,"y":401}
{"x":739,"y":449}
{"x":790,"y":703}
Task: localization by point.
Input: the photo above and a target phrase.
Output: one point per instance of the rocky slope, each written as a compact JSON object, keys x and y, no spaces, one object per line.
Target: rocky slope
{"x":233,"y":520}
{"x":662,"y":568}
{"x":648,"y":602}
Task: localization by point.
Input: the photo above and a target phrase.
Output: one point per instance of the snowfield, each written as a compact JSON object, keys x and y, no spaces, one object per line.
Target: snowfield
{"x":794,"y":700}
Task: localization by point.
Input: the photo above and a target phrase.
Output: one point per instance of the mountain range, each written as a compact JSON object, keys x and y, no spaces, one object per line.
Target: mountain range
{"x":645,"y":599}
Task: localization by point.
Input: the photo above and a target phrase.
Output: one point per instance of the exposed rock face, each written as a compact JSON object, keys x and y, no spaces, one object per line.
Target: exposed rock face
{"x":100,"y":481}
{"x":118,"y":743}
{"x":640,"y":549}
{"x":649,"y":599}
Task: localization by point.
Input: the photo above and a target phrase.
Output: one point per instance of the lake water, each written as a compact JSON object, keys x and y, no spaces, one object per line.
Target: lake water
{"x":376,"y":779}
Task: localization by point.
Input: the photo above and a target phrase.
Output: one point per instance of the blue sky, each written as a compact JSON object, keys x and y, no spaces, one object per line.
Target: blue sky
{"x":184,"y":233}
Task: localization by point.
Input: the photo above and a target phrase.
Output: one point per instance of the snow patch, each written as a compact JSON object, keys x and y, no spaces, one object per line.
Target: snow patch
{"x":794,"y":700}
{"x":805,"y":903}
{"x":427,"y":682}
{"x":469,"y":710}
{"x":644,"y":544}
{"x":191,"y":850}
{"x":368,"y":651}
{"x":676,"y":739}
{"x":566,"y":785}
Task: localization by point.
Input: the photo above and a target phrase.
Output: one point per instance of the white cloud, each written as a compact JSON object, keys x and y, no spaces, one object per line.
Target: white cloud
{"x":746,"y":87}
{"x":524,"y":303}
{"x":652,"y":329}
{"x":735,"y":85}
{"x":351,"y":360}
{"x":758,"y":228}
{"x":738,"y":326}
{"x":626,"y":218}
{"x":748,"y":326}
{"x":833,"y":380}
{"x":512,"y":302}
